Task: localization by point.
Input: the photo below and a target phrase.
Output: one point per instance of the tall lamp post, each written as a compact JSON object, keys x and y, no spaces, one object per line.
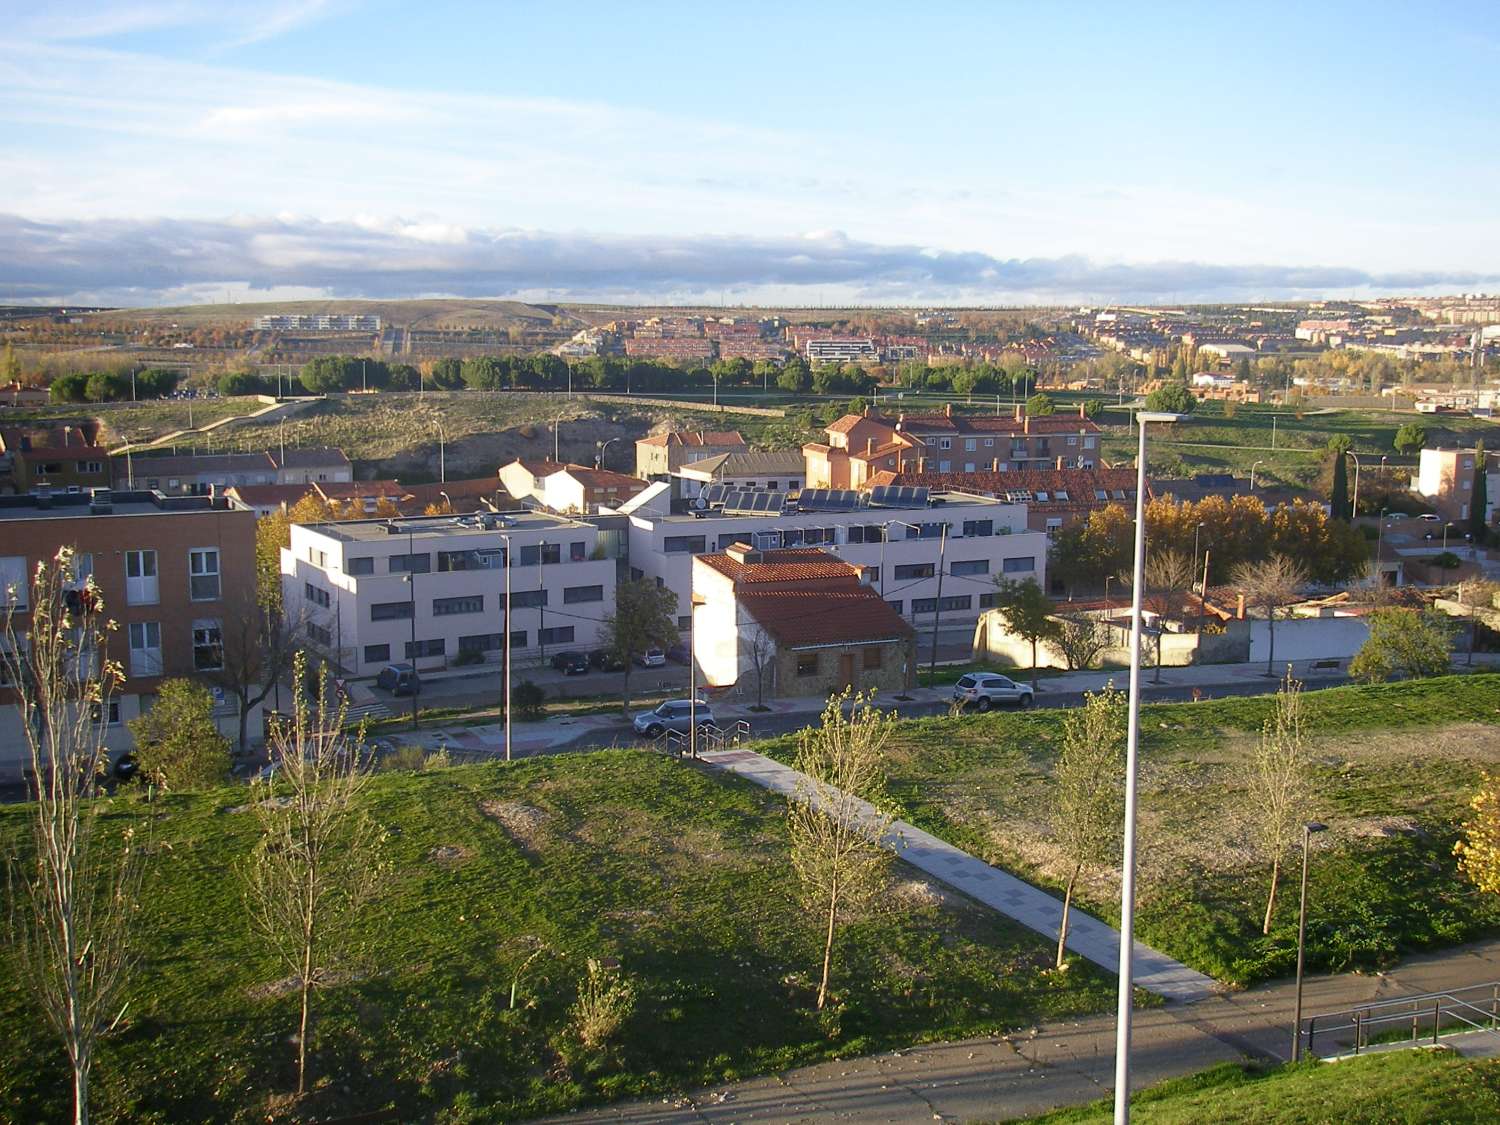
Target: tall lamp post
{"x":1253,"y":467}
{"x":603,"y":449}
{"x":442,"y":452}
{"x":1143,"y":418}
{"x":1307,"y":833}
{"x":505,"y":641}
{"x":411,"y":582}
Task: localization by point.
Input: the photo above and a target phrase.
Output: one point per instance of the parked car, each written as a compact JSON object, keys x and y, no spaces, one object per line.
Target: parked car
{"x":1393,"y":516}
{"x":570,"y":663}
{"x":1429,"y":517}
{"x":985,"y":689}
{"x":651,"y":658}
{"x":673,"y":714}
{"x":679,"y":654}
{"x":605,"y":660}
{"x":399,"y":679}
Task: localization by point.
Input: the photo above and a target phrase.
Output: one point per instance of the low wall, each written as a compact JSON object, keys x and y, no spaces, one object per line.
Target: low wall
{"x":1308,"y":638}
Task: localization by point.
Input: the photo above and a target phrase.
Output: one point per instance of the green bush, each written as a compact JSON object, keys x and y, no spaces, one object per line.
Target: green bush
{"x":529,"y":699}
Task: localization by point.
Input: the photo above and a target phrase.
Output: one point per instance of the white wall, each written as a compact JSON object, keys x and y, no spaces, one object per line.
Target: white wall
{"x":1304,"y":638}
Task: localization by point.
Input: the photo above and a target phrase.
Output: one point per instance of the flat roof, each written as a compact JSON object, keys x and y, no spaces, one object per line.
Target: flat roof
{"x":441,"y":527}
{"x":75,"y":505}
{"x":937,"y":502}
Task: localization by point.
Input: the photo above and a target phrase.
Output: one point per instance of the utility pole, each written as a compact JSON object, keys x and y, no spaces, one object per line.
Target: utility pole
{"x":541,"y":602}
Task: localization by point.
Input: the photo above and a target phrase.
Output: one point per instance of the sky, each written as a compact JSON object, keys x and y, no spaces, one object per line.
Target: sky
{"x":163,"y":152}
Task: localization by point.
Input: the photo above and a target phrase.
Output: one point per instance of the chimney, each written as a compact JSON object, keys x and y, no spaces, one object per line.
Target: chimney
{"x":869,"y":446}
{"x":868,"y":412}
{"x":744,"y":554}
{"x":1239,"y":609}
{"x":1059,"y":464}
{"x":948,"y":411}
{"x":1081,"y":414}
{"x":1026,"y":424}
{"x":900,"y":420}
{"x":995,"y":465}
{"x":1020,"y":411}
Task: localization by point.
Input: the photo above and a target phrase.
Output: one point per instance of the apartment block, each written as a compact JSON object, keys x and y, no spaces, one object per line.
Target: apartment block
{"x":660,"y":455}
{"x":198,"y":474}
{"x":431,"y":589}
{"x":176,"y":573}
{"x":1446,"y":479}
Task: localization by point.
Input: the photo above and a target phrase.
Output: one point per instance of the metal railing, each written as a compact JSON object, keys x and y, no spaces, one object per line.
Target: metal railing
{"x":1409,"y":1021}
{"x":710,"y":737}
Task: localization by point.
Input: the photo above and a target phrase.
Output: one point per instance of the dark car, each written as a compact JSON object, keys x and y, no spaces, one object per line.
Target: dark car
{"x":605,"y":660}
{"x":399,"y":679}
{"x":570,"y":663}
{"x":679,"y":654}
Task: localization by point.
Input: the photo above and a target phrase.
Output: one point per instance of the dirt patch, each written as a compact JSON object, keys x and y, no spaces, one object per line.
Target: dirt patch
{"x":919,"y":893}
{"x":1380,"y":827}
{"x":271,"y":989}
{"x":523,"y":823}
{"x":450,"y":855}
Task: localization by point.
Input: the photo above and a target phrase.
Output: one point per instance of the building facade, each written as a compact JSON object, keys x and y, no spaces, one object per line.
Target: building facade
{"x":197,"y":474}
{"x":431,"y":589}
{"x":176,"y":573}
{"x":660,"y":455}
{"x":1446,"y":480}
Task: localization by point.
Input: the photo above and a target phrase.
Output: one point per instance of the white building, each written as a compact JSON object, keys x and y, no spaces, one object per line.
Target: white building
{"x":842,"y":350}
{"x":900,"y":545}
{"x":431,"y":589}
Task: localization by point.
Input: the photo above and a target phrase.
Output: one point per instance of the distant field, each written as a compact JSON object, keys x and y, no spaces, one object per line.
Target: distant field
{"x":139,"y":421}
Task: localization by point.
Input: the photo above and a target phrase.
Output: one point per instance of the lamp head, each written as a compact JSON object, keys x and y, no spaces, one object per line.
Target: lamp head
{"x":1315,"y":826}
{"x":1144,"y":416}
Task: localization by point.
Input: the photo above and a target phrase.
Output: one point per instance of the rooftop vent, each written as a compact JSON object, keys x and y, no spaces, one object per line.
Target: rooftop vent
{"x":101,"y":500}
{"x":744,"y":554}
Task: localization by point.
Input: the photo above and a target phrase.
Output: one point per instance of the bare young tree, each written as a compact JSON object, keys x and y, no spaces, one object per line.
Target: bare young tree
{"x":1088,"y":809}
{"x":256,"y":645}
{"x":1080,"y":640}
{"x":1280,"y":784}
{"x":762,"y":651}
{"x":71,"y":927}
{"x":318,"y":862}
{"x":1169,"y":575}
{"x":838,"y":853}
{"x":1268,"y":585}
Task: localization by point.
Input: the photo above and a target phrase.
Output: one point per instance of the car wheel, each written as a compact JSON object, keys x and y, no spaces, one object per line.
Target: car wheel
{"x":654,"y":730}
{"x":984,"y":703}
{"x":1025,"y":701}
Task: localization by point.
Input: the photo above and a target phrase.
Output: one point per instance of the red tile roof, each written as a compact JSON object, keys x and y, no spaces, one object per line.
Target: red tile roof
{"x":694,"y":438}
{"x":825,"y":614}
{"x":984,"y":424}
{"x":602,"y":478}
{"x":789,"y":564}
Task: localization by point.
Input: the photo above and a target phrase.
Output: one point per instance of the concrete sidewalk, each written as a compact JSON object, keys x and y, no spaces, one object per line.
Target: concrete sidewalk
{"x":1041,"y":1068}
{"x":997,"y":889}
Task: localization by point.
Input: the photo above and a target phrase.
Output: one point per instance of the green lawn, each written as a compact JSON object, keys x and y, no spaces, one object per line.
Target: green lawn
{"x":681,"y":875}
{"x":1415,"y":1087}
{"x":1395,"y":766}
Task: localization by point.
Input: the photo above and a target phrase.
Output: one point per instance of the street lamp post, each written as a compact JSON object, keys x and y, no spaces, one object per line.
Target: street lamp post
{"x":1307,"y":832}
{"x":557,"y":439}
{"x":1354,"y":503}
{"x":442,"y":452}
{"x":1132,"y":745}
{"x":541,"y":598}
{"x":937,"y":610}
{"x":411,"y":582}
{"x":1253,"y":467}
{"x":505,"y":641}
{"x":603,"y":449}
{"x":1379,"y":541}
{"x":1446,"y":525}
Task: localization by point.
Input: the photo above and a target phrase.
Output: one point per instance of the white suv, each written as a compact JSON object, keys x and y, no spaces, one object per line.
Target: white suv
{"x":985,"y":689}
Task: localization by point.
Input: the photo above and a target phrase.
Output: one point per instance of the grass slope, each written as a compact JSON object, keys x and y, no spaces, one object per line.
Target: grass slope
{"x":1416,"y":1087}
{"x":1395,"y":765}
{"x":683,"y":876}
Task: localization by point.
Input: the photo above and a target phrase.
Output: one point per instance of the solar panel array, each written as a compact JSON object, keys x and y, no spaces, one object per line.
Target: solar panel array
{"x":829,"y":500}
{"x":712,"y":494}
{"x":748,"y":502}
{"x":898,"y":496}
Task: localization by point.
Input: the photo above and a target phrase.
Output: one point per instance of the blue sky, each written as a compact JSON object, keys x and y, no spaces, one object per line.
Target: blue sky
{"x":159,"y":151}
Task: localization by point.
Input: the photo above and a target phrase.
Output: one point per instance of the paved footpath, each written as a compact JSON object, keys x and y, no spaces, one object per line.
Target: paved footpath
{"x":1040,"y":1068}
{"x":999,"y":890}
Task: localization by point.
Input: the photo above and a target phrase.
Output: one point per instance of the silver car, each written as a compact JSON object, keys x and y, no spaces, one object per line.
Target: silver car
{"x":673,"y":714}
{"x":986,"y":689}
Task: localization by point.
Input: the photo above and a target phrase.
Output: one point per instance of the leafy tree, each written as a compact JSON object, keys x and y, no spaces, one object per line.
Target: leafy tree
{"x":1093,"y":408}
{"x":108,"y":386}
{"x":71,"y":926}
{"x":1280,"y":784}
{"x":1088,"y":806}
{"x":485,"y":373}
{"x":1269,"y":585}
{"x":235,"y":383}
{"x":178,"y":744}
{"x":69,"y":388}
{"x":645,"y":617}
{"x":156,"y":382}
{"x":318,"y":862}
{"x":837,"y":838}
{"x":1478,"y":503}
{"x":1173,"y":398}
{"x":1340,"y":443}
{"x":10,"y":365}
{"x":530,"y":699}
{"x":1338,"y":498}
{"x":795,"y":379}
{"x":1027,"y":612}
{"x":1040,"y":405}
{"x":1403,"y":642}
{"x":1478,"y":846}
{"x":1411,"y":437}
{"x":403,"y":377}
{"x":447,"y":374}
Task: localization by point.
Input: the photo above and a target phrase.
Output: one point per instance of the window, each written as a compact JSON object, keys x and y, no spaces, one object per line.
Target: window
{"x":434,"y":647}
{"x":929,"y":531}
{"x":970,"y":445}
{"x":377,"y":654}
{"x":145,"y":648}
{"x":807,"y":664}
{"x":872,"y":658}
{"x":684,"y":622}
{"x":979,"y":527}
{"x":140,"y":578}
{"x":93,"y":467}
{"x":14,"y":591}
{"x":208,"y":645}
{"x":1019,"y":565}
{"x":1060,"y":494}
{"x":527,"y":599}
{"x":866,"y":533}
{"x":910,"y":571}
{"x":316,"y":594}
{"x":491,"y":558}
{"x":390,"y":611}
{"x":945,"y":466}
{"x":684,"y":544}
{"x":873,"y":572}
{"x":563,"y":635}
{"x":945,"y":443}
{"x":989,"y":601}
{"x":771,"y":486}
{"x":319,"y":633}
{"x":364,"y":565}
{"x":1072,"y":441}
{"x":203,"y":574}
{"x":957,"y":602}
{"x":551,"y":553}
{"x":1088,"y":443}
{"x":896,"y":605}
{"x":989,"y":443}
{"x":572,"y":595}
{"x":923,"y":605}
{"x":410,"y":564}
{"x":577,"y":552}
{"x":970,"y":566}
{"x":1101,"y":494}
{"x":153,"y":483}
{"x":491,"y":642}
{"x":447,"y":607}
{"x":1054,"y":523}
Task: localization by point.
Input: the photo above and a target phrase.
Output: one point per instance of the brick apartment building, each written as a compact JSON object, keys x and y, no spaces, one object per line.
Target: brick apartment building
{"x":660,"y":455}
{"x":176,"y":573}
{"x":61,"y":458}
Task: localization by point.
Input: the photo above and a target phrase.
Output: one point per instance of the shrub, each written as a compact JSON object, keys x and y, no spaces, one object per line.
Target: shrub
{"x":530,"y":699}
{"x":605,"y":1001}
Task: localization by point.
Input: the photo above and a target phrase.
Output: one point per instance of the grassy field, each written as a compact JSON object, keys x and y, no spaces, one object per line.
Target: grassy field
{"x":680,"y":875}
{"x":1395,"y":766}
{"x":139,"y":421}
{"x":1209,"y":442}
{"x":1415,"y":1087}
